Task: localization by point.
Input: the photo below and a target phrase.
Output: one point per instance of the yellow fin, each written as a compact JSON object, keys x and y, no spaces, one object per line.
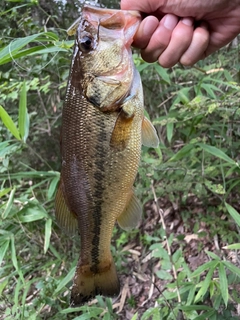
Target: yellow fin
{"x":65,"y":218}
{"x":131,"y":215}
{"x":149,"y":134}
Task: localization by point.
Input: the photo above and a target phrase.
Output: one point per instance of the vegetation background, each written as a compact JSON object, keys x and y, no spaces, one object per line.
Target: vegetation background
{"x":183,"y":260}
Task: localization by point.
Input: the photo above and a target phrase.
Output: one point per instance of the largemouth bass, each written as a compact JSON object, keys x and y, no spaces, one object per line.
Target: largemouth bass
{"x":103,"y":128}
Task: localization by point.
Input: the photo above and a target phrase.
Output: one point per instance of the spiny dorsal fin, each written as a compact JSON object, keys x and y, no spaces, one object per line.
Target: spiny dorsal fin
{"x":131,"y":215}
{"x":65,"y":218}
{"x":149,"y":134}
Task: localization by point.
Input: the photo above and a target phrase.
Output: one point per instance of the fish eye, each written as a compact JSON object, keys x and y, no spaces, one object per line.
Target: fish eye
{"x":86,"y":43}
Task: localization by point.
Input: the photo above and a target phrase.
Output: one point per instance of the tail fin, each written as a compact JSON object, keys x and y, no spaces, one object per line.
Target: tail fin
{"x":87,"y":286}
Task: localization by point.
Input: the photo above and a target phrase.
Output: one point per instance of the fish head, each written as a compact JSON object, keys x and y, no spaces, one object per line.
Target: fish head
{"x":103,"y":49}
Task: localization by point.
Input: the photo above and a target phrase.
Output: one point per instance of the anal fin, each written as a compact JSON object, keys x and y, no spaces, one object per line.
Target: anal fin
{"x":66,"y":219}
{"x":132,"y":213}
{"x":149,"y":134}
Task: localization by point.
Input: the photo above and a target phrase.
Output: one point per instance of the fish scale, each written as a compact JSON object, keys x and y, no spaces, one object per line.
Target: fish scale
{"x":102,"y":133}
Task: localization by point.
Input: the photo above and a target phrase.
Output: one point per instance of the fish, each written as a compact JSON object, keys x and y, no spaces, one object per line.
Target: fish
{"x":103,"y":129}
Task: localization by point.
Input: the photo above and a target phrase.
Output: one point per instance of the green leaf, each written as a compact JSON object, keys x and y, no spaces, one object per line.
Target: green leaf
{"x":48,"y":232}
{"x":23,"y":122}
{"x":223,"y":283}
{"x":9,"y":204}
{"x":235,"y":215}
{"x":9,"y":124}
{"x":217,"y":153}
{"x":182,"y":152}
{"x":5,"y":191}
{"x":206,"y":315}
{"x":235,"y":270}
{"x":31,"y":174}
{"x":170,"y":127}
{"x":191,"y":295}
{"x":3,"y":249}
{"x":162,"y":73}
{"x":206,"y":283}
{"x":162,"y":274}
{"x":52,"y":187}
{"x":234,"y":246}
{"x":12,"y":51}
{"x":14,"y":259}
{"x":135,"y":316}
{"x":194,"y":307}
{"x":202,"y":268}
{"x":32,"y":212}
{"x":212,"y":255}
{"x":65,"y":280}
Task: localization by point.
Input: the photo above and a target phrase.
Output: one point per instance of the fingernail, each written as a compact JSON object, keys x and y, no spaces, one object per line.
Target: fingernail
{"x":170,"y":21}
{"x":150,"y":25}
{"x":187,"y":21}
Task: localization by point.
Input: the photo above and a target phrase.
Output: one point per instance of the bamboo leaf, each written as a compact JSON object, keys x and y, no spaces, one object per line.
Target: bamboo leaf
{"x":5,"y":191}
{"x":234,"y":246}
{"x":3,"y":249}
{"x":217,"y":153}
{"x":32,"y":212}
{"x":65,"y":280}
{"x":12,"y":51}
{"x":195,"y":307}
{"x":162,"y":73}
{"x":212,"y":255}
{"x":14,"y":259}
{"x":170,"y":126}
{"x":232,"y":268}
{"x":23,"y":116}
{"x":9,"y":124}
{"x":203,"y":267}
{"x":206,"y":315}
{"x":223,"y":283}
{"x":9,"y":204}
{"x":52,"y":187}
{"x":182,"y":152}
{"x":206,"y":283}
{"x":48,"y":232}
{"x":235,"y":215}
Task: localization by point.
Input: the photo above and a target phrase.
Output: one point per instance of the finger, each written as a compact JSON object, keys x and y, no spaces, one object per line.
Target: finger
{"x":145,"y":31}
{"x":198,"y":46}
{"x":180,"y":41}
{"x":160,"y":38}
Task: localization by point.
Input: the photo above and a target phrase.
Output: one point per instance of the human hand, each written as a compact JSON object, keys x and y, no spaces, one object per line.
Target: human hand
{"x":184,"y":31}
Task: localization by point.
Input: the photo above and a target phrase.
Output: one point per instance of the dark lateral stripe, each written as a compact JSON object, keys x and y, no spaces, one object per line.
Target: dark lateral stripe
{"x":99,"y":176}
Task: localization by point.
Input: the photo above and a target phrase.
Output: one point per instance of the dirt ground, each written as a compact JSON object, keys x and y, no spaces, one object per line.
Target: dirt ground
{"x":140,"y":285}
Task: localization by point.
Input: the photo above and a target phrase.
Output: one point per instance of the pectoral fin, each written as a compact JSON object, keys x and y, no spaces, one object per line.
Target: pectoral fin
{"x":122,"y":129}
{"x":149,"y":134}
{"x":132,"y":214}
{"x":65,"y":218}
